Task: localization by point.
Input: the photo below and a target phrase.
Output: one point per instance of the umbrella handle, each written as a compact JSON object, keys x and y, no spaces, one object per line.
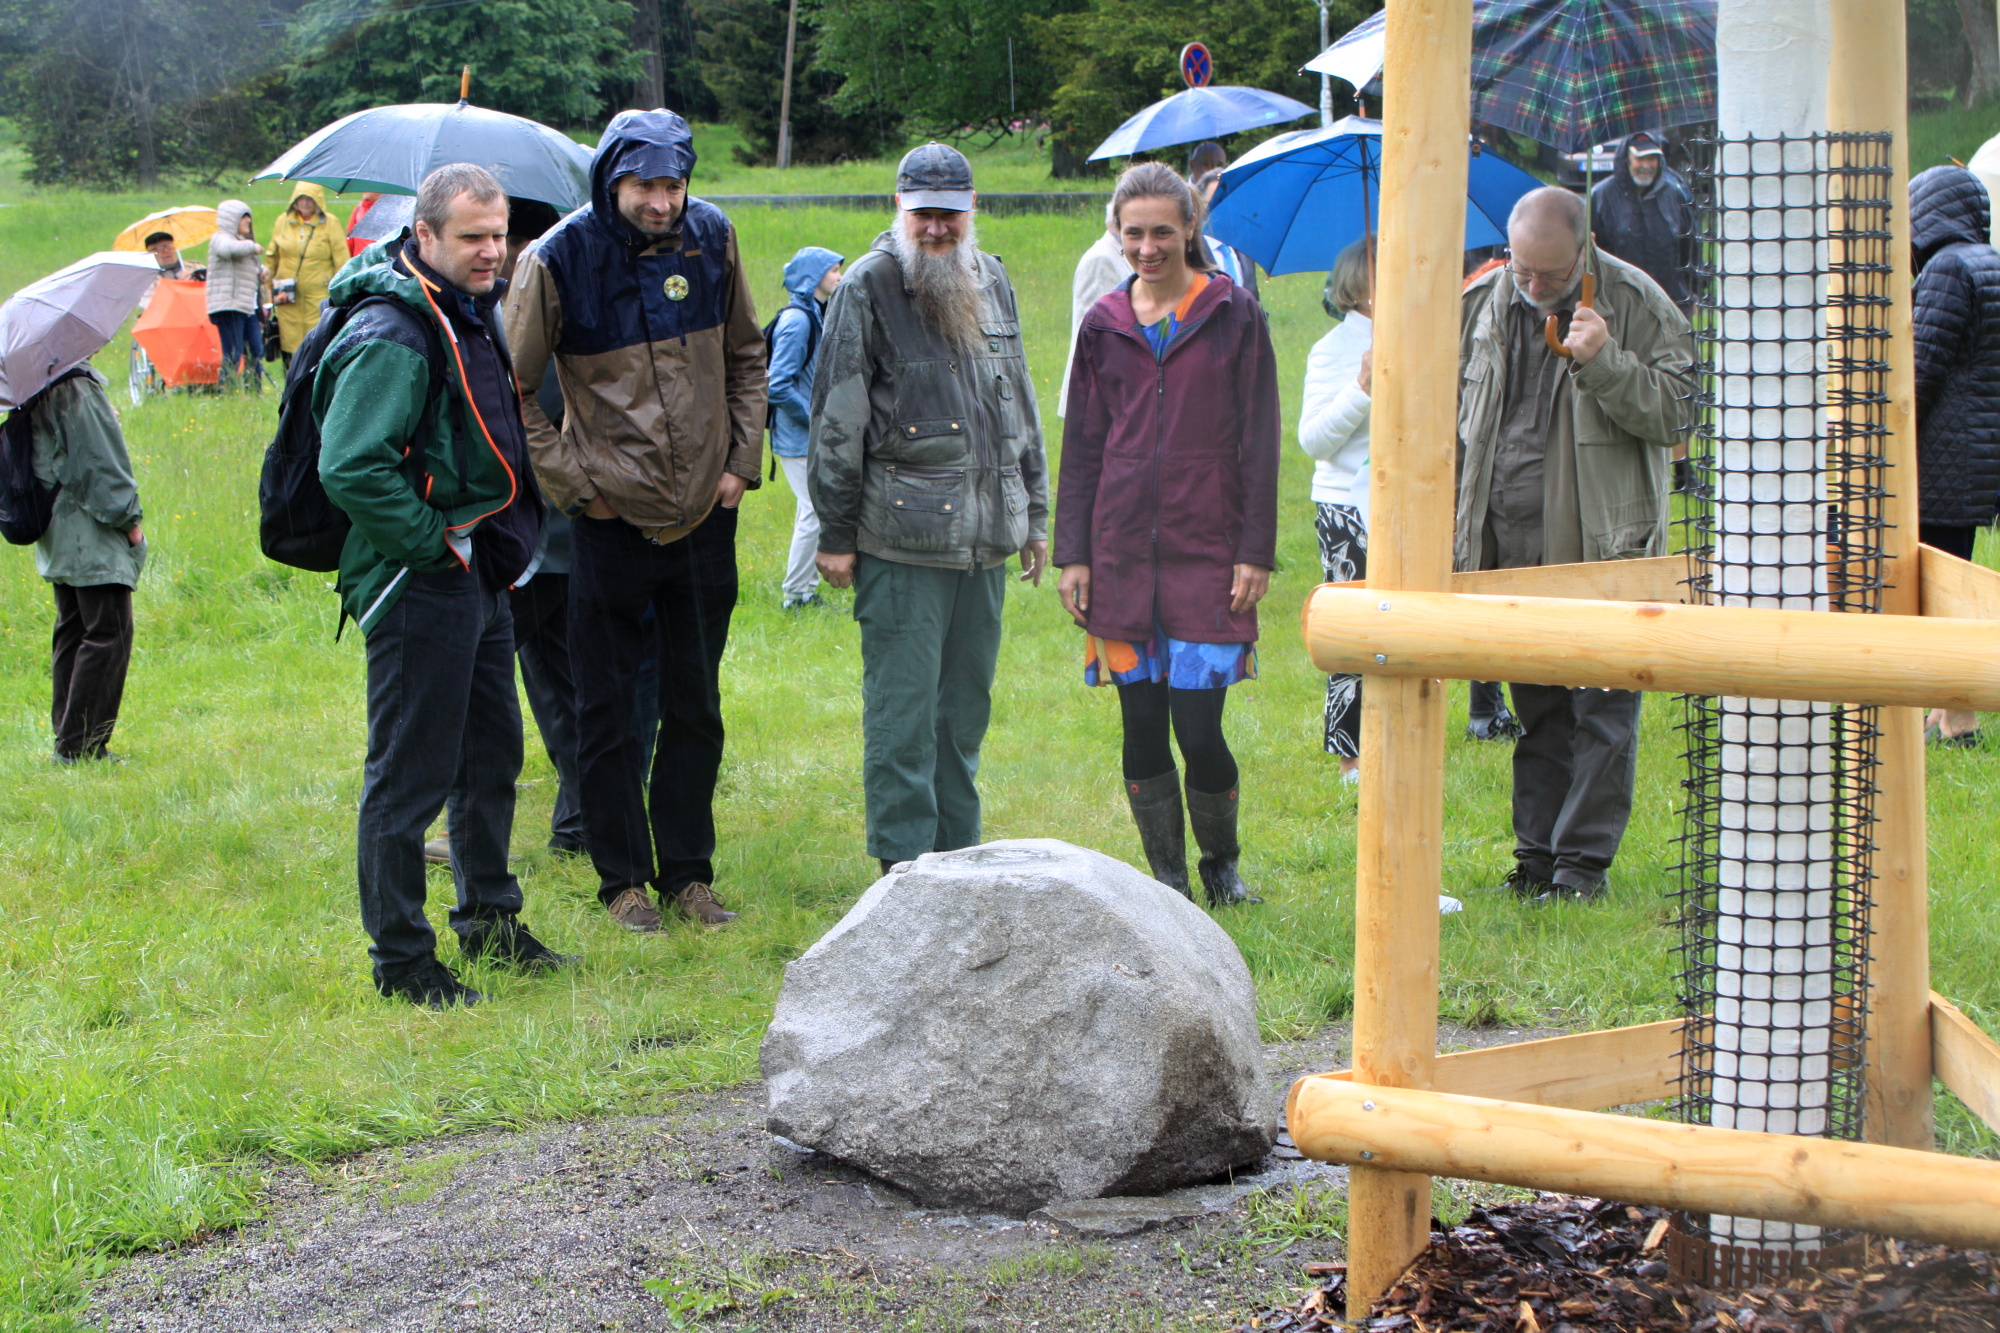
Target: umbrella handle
{"x":1585,"y":302}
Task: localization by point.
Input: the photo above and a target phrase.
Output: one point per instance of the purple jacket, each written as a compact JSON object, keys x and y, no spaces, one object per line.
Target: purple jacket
{"x":1170,"y":469}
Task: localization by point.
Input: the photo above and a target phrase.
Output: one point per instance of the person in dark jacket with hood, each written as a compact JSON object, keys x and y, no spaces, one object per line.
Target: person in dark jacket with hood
{"x":1642,"y":214}
{"x":446,"y":519}
{"x":640,"y":302}
{"x":1168,"y":521}
{"x":810,"y":277}
{"x":1957,"y":308}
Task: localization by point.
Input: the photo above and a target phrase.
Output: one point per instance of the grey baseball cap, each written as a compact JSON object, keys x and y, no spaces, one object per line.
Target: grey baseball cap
{"x":934,"y":175}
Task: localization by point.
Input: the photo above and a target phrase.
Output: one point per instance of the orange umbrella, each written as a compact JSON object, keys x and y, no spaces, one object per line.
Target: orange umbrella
{"x":183,"y":346}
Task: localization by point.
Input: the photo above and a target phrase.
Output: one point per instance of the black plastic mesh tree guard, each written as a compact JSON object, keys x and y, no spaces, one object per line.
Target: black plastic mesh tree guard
{"x":1791,"y":261}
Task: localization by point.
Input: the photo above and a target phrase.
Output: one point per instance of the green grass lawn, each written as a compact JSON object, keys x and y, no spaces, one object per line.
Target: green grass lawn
{"x":182,"y":973}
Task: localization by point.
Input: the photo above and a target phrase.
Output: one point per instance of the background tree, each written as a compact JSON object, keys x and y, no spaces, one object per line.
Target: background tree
{"x":1120,"y":55}
{"x":741,"y":44}
{"x":107,"y":91}
{"x":944,"y":65}
{"x":556,"y":61}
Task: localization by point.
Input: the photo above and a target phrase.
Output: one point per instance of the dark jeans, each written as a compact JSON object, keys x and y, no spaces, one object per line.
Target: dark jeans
{"x":541,"y":641}
{"x":1488,"y":698}
{"x":1573,"y":772}
{"x":241,"y":334}
{"x":92,"y":648}
{"x":444,"y":729}
{"x":615,"y":573}
{"x":930,"y":639}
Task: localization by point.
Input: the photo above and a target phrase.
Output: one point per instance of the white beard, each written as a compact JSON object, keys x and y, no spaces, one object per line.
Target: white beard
{"x":946,"y":285}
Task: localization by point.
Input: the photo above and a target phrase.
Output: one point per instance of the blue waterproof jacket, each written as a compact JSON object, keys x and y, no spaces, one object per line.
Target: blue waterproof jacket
{"x":794,"y":350}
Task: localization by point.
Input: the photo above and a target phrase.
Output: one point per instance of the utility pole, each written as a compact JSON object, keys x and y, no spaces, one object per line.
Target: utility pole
{"x":785,"y":100}
{"x":1325,"y":81}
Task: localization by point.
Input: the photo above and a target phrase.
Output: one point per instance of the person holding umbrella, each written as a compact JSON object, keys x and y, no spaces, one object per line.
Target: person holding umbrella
{"x":1564,"y":449}
{"x":1167,"y":526}
{"x":307,"y":248}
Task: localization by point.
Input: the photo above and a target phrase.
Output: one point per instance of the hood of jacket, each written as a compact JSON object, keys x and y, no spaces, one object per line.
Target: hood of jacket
{"x":228,"y":214}
{"x":1114,"y":309}
{"x":806,"y":269}
{"x":1623,"y":169}
{"x":1948,"y":205}
{"x":308,"y":190}
{"x":646,"y":144}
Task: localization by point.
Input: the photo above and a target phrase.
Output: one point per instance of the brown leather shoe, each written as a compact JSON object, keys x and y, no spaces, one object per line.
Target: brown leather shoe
{"x":631,"y":910}
{"x":699,"y":901}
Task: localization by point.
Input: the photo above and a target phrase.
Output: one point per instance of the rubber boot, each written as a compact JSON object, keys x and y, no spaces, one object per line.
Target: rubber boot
{"x":1214,"y":820}
{"x":1156,"y":809}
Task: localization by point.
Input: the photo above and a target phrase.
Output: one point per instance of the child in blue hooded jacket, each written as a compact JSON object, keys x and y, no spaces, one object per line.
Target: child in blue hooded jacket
{"x":810,"y":277}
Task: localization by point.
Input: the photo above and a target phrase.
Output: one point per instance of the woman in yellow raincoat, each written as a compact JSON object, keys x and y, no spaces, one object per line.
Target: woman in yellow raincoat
{"x":307,"y":248}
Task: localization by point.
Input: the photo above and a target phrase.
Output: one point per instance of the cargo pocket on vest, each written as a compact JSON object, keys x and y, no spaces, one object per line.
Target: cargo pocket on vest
{"x":923,"y":508}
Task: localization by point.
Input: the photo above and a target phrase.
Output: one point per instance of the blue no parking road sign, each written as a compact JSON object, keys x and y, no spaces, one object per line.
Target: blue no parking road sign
{"x":1196,"y":67}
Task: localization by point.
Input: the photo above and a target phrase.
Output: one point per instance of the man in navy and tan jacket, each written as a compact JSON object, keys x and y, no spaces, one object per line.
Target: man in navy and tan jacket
{"x":640,"y":303}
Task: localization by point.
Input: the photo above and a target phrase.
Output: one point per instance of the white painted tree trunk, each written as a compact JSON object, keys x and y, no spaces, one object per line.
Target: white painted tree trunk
{"x":1775,"y":965}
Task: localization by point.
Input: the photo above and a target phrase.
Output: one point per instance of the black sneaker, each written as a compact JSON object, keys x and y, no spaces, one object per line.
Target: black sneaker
{"x":505,"y":942}
{"x":1570,"y":893}
{"x":431,"y":985}
{"x":1524,"y":884}
{"x":1502,"y":726}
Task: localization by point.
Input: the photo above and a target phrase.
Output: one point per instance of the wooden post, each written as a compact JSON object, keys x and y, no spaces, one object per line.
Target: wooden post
{"x":1868,"y":88}
{"x":785,"y":99}
{"x":1717,"y":650}
{"x":1400,"y":825}
{"x":1695,"y":1168}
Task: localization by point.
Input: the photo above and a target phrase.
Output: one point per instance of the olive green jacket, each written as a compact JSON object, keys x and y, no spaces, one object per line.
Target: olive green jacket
{"x":79,"y":446}
{"x":1611,"y":428}
{"x":921,"y":451}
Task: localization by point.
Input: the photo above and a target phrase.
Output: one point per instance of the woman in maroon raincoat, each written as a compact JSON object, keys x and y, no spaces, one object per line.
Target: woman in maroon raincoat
{"x":1166,"y":517}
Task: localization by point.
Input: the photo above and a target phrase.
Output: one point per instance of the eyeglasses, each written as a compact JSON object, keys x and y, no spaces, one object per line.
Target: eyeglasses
{"x":1527,"y":275}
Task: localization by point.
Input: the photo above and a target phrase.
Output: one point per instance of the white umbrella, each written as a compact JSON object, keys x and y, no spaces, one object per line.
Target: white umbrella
{"x":52,"y":325}
{"x":1985,"y":164}
{"x":1357,"y":58}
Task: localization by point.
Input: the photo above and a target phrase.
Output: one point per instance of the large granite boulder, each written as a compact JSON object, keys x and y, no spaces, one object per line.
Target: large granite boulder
{"x":1018,"y":1023}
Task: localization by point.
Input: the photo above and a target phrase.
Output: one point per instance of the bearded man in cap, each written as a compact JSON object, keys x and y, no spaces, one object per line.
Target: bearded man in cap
{"x":927,"y":471}
{"x":639,"y":302}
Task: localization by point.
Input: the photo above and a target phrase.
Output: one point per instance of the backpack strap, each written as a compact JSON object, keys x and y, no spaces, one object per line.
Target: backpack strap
{"x":392,"y":320}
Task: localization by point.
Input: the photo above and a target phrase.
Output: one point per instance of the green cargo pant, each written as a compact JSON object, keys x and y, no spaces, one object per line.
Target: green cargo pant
{"x":929,"y":641}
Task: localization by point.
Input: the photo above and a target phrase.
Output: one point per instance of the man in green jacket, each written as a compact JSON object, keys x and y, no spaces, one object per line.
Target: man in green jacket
{"x":926,"y":468}
{"x":92,"y":552}
{"x":1565,"y":458}
{"x":423,"y":447}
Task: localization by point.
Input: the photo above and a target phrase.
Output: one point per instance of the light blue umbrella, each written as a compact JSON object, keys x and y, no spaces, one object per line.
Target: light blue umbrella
{"x":1197,"y":114}
{"x":1295,"y":202}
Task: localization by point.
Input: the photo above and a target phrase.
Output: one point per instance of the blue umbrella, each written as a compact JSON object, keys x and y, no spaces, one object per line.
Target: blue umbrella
{"x":1197,"y":114}
{"x":1294,"y":202}
{"x":392,"y":148}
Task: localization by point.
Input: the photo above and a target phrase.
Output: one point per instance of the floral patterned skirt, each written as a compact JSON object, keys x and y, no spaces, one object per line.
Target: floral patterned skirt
{"x":1182,"y":665}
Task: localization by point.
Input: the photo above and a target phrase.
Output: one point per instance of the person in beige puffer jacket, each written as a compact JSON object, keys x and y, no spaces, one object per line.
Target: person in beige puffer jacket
{"x":236,"y":275}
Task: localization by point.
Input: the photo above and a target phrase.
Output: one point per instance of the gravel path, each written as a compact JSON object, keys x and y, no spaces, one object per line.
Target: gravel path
{"x":699,"y":1217}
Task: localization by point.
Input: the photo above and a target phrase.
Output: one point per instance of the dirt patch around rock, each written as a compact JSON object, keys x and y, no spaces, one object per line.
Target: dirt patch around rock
{"x":698,"y":1217}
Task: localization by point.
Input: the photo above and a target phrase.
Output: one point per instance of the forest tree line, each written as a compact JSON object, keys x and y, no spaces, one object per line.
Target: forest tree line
{"x":121,"y":92}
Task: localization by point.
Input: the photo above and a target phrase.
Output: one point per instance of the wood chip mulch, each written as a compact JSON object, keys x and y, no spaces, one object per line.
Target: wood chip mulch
{"x":1568,"y":1265}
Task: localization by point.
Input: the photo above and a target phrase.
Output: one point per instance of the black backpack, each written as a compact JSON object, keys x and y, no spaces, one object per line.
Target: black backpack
{"x":298,"y":525}
{"x":26,"y":503}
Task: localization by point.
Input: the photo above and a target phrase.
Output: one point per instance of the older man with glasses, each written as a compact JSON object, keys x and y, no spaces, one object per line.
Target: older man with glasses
{"x":1565,"y":457}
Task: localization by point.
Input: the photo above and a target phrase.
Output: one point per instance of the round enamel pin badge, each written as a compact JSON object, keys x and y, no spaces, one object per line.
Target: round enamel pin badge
{"x":676,"y":288}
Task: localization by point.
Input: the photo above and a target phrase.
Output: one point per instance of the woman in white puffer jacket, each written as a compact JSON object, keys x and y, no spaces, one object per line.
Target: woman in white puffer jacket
{"x":1333,"y":429}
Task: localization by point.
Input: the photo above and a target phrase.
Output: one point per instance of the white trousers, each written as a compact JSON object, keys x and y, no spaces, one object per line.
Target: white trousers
{"x":801,"y":575}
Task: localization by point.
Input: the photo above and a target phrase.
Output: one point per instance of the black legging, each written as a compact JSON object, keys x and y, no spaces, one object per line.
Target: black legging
{"x":1196,"y":717}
